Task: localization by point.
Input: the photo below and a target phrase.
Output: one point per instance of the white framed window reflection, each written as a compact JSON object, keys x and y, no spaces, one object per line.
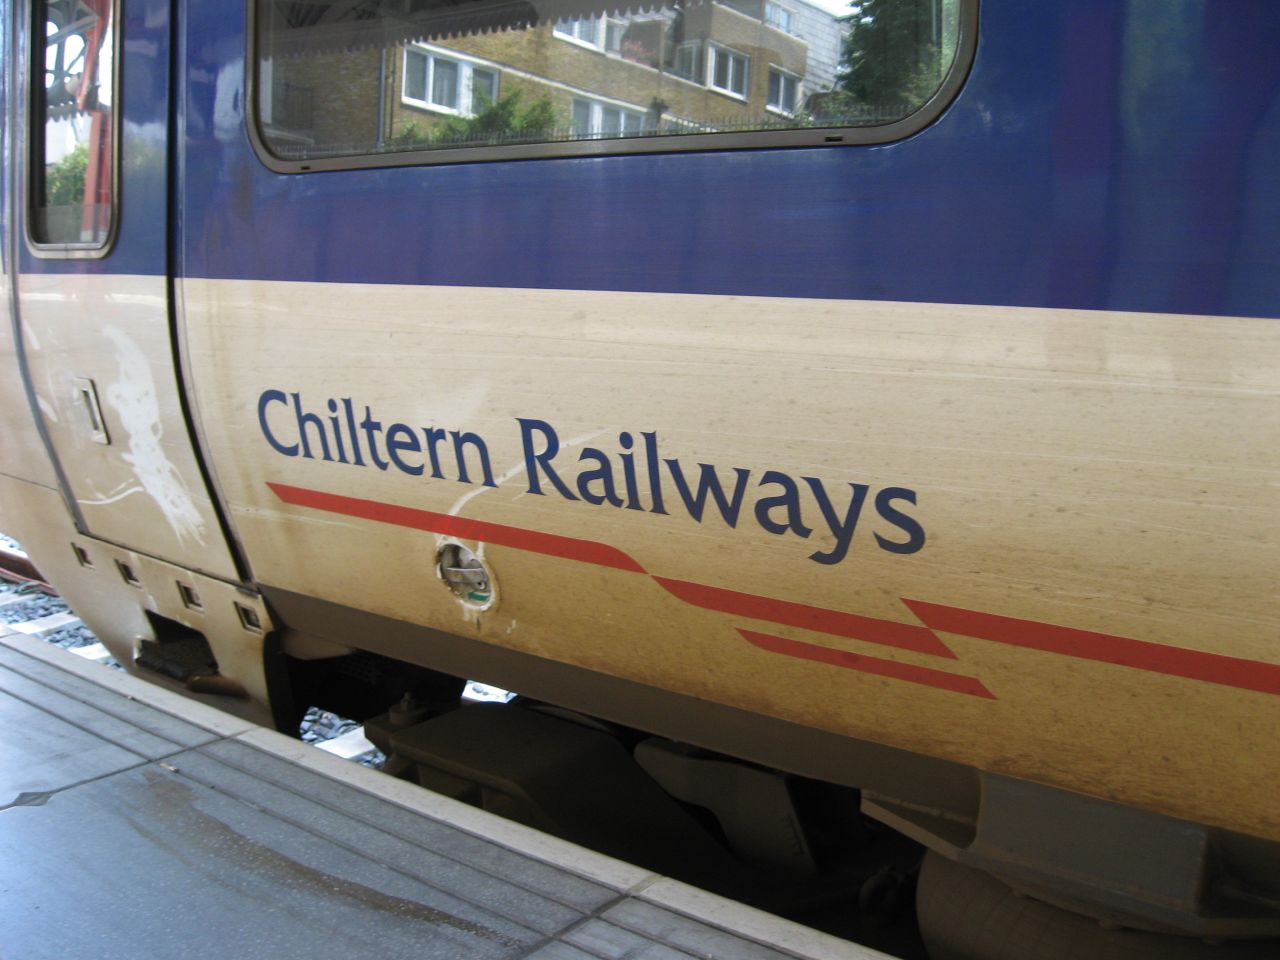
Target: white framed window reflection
{"x":778,"y":17}
{"x":783,"y":89}
{"x":598,"y":118}
{"x":727,"y":71}
{"x":447,"y":84}
{"x":599,"y":33}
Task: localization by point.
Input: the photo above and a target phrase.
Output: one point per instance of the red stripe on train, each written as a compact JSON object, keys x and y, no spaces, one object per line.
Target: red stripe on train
{"x":884,"y":632}
{"x":881,"y":668}
{"x":464,"y":528}
{"x":888,"y":633}
{"x":1220,"y":669}
{"x":1102,"y":647}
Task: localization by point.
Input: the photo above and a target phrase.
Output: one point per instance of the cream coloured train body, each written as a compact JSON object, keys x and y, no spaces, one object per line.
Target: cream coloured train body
{"x":974,"y":511}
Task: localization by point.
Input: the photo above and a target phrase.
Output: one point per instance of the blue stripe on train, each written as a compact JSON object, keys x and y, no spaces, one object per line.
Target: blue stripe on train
{"x":1092,"y":161}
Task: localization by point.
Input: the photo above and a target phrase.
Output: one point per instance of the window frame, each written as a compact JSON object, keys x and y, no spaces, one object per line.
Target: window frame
{"x":598,"y":106}
{"x":496,"y":73}
{"x":765,"y":139}
{"x":33,"y":155}
{"x":697,"y":58}
{"x":788,"y":14}
{"x":785,"y":75}
{"x":714,"y":52}
{"x":601,"y":43}
{"x":467,"y":66}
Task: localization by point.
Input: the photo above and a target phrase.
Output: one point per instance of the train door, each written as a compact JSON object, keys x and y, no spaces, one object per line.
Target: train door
{"x":93,"y":290}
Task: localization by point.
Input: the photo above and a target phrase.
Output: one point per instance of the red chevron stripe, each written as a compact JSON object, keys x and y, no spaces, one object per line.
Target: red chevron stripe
{"x":904,"y":636}
{"x":1103,"y":647}
{"x":856,"y":661}
{"x":464,"y":528}
{"x":889,"y":633}
{"x":1257,"y":675}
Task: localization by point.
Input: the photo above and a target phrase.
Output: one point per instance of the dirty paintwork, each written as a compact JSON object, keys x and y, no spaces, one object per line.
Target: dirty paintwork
{"x":1095,"y":472}
{"x":146,"y":478}
{"x":964,"y":444}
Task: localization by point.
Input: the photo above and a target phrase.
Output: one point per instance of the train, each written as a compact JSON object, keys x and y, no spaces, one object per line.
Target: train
{"x":868,"y":402}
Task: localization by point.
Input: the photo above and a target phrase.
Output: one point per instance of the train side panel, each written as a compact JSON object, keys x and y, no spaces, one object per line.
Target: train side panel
{"x":22,"y":455}
{"x":96,"y":320}
{"x":942,"y":650}
{"x":941,"y":468}
{"x":964,"y":444}
{"x":102,"y":479}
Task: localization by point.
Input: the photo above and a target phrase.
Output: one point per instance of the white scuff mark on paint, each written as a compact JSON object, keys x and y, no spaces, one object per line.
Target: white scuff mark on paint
{"x":502,"y":478}
{"x":514,"y":471}
{"x":47,"y":409}
{"x":114,"y":496}
{"x":133,"y":397}
{"x":472,"y":614}
{"x":29,"y":339}
{"x":279,"y":516}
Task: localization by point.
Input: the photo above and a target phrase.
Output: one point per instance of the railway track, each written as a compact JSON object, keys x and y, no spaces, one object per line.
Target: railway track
{"x":30,"y":606}
{"x":16,"y":567}
{"x":61,"y":626}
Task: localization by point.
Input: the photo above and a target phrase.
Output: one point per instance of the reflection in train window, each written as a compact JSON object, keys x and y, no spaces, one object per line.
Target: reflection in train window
{"x":71,"y":151}
{"x":777,"y":16}
{"x":438,"y":81}
{"x":782,"y":90}
{"x":339,"y":79}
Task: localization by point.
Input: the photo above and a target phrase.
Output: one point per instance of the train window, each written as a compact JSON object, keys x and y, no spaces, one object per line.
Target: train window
{"x":383,"y":82}
{"x":73,"y":129}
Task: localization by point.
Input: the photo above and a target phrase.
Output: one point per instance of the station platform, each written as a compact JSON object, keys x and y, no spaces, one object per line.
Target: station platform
{"x":137,"y":824}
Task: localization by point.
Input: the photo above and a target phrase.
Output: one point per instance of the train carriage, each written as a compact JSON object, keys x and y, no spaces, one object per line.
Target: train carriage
{"x":880,"y":396}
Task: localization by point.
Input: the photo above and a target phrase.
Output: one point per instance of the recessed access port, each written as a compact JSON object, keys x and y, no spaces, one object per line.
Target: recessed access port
{"x":190,"y":599}
{"x":249,"y":618}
